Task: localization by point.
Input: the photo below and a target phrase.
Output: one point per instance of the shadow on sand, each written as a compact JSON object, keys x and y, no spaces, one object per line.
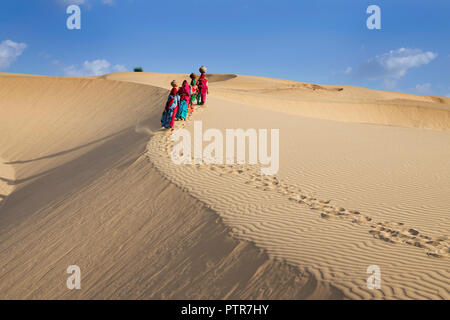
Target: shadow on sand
{"x":51,"y":186}
{"x":61,"y":153}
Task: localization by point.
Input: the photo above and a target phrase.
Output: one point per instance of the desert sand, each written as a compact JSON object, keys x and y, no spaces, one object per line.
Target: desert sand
{"x":86,"y":178}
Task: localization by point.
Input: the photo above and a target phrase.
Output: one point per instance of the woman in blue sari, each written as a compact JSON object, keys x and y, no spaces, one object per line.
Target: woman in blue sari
{"x":168,"y":116}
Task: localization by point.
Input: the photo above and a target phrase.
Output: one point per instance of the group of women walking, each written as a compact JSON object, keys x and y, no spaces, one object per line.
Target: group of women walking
{"x":182,"y":99}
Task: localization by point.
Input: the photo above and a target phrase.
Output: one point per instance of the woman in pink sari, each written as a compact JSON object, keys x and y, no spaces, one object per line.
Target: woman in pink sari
{"x":202,"y":86}
{"x":185,"y":97}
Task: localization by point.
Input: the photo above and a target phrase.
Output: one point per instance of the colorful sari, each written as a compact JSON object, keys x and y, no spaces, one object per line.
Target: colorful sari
{"x":168,"y":116}
{"x":194,"y":93}
{"x":185,"y":97}
{"x":202,"y":89}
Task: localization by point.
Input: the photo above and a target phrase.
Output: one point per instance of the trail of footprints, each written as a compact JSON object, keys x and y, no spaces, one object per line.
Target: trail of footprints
{"x":391,"y":232}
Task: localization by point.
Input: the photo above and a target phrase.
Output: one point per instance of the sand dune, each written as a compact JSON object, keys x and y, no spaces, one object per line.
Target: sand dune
{"x":340,"y":103}
{"x":86,"y":179}
{"x":84,"y":193}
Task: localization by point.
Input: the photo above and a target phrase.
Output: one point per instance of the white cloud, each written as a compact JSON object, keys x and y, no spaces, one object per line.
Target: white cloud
{"x":395,"y":64}
{"x":93,"y":68}
{"x":348,"y":70}
{"x":44,"y":55}
{"x":84,"y":2}
{"x":424,"y":88}
{"x":119,"y":68}
{"x":390,"y":83}
{"x":9,"y":51}
{"x":69,"y":2}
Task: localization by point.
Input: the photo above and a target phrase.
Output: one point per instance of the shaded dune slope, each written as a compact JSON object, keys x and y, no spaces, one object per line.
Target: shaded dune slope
{"x":48,"y":123}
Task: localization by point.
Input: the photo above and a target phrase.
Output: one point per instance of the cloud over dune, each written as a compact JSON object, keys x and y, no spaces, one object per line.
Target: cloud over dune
{"x":395,"y":64}
{"x":9,"y":51}
{"x":93,"y":68}
{"x":424,"y":88}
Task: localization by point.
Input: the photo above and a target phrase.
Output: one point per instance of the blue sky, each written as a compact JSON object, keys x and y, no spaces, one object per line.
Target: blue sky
{"x":320,"y":41}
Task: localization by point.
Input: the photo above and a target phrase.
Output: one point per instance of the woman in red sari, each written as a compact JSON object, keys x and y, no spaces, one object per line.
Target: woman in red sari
{"x":202,"y":86}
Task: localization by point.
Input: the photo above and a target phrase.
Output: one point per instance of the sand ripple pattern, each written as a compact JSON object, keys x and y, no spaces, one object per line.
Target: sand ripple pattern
{"x":305,"y":231}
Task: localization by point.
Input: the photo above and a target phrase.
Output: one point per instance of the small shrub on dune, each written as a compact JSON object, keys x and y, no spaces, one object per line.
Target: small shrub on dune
{"x":138,"y":69}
